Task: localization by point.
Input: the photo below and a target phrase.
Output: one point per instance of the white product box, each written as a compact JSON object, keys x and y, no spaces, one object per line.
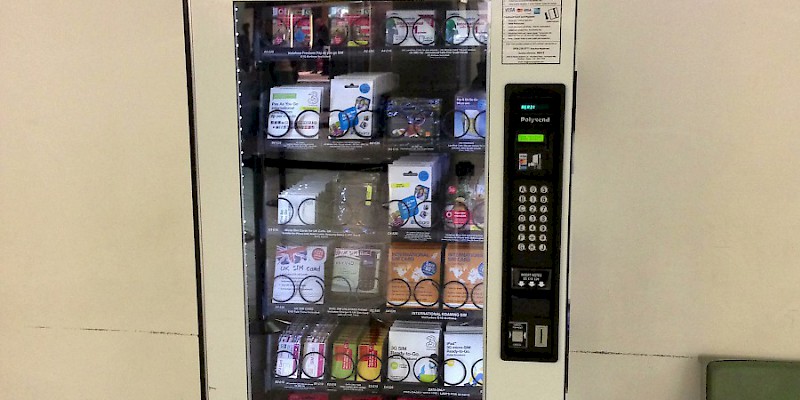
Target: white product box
{"x":466,"y":27}
{"x":297,"y":205}
{"x":294,"y":112}
{"x":463,"y":355}
{"x":413,"y":181}
{"x":356,"y":104}
{"x":413,"y":352}
{"x":410,"y":27}
{"x":299,"y":274}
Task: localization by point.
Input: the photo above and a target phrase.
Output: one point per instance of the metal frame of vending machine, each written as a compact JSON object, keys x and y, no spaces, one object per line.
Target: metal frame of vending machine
{"x":530,"y":89}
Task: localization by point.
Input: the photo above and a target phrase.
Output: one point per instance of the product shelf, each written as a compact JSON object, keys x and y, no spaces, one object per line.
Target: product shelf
{"x":373,"y":151}
{"x":385,"y":388}
{"x":302,"y":233}
{"x":394,"y":54}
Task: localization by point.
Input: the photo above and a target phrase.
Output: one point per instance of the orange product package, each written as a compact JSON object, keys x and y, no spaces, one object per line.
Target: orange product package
{"x":464,"y":271}
{"x":414,"y":275}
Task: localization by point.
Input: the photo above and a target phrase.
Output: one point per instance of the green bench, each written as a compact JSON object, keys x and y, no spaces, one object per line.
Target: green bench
{"x":753,"y":380}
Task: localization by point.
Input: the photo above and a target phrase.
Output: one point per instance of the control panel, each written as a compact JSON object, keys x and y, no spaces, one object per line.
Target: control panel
{"x":534,"y":146}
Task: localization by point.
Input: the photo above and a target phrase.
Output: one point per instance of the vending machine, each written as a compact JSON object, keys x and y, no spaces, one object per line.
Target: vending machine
{"x":382,"y":197}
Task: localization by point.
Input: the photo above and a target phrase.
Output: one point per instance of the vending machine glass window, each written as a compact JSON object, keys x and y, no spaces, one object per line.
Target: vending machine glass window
{"x":363,"y":129}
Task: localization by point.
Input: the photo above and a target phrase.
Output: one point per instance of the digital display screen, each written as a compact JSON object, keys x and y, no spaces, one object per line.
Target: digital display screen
{"x":534,"y":107}
{"x":530,"y":138}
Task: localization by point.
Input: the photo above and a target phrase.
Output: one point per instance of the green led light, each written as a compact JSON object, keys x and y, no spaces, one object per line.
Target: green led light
{"x":530,"y":138}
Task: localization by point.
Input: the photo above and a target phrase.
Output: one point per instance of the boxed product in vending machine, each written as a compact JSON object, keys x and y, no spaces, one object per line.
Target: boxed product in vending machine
{"x":463,"y":355}
{"x":464,"y":272}
{"x":413,"y":182}
{"x":410,"y":27}
{"x":358,"y":201}
{"x":356,"y":270}
{"x":315,"y":355}
{"x":350,"y":26}
{"x":413,"y":352}
{"x":467,"y":27}
{"x":294,"y":111}
{"x":413,"y":117}
{"x":356,"y":103}
{"x":298,"y":205}
{"x":414,"y":275}
{"x":345,"y":353}
{"x":289,"y":349}
{"x":370,"y":354}
{"x":299,"y":274}
{"x":466,"y":200}
{"x":469,"y":118}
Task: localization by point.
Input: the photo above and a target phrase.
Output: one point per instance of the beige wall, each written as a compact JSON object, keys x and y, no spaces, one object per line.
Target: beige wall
{"x":685,"y":217}
{"x":97,"y":281}
{"x":685,"y":202}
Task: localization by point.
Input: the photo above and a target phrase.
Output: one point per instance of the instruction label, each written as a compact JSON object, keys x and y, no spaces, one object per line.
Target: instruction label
{"x":531,"y":32}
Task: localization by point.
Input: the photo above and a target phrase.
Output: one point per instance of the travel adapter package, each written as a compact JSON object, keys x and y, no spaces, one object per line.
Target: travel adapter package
{"x":357,"y":102}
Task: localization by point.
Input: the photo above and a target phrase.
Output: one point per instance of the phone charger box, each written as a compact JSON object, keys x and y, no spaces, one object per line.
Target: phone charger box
{"x":356,"y":103}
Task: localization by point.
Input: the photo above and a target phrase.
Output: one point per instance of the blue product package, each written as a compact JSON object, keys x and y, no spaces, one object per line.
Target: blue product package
{"x":469,"y":118}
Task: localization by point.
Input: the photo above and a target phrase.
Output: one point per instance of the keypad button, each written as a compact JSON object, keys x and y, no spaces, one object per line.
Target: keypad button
{"x":521,"y":228}
{"x":544,"y":189}
{"x":521,"y":218}
{"x":521,"y":237}
{"x":523,"y":198}
{"x":532,"y":228}
{"x":531,"y":209}
{"x":521,"y":247}
{"x":543,"y":199}
{"x":542,"y":228}
{"x":543,"y":209}
{"x":532,"y":218}
{"x":533,"y":198}
{"x":532,"y":247}
{"x":542,"y":247}
{"x":543,"y":238}
{"x":523,"y":189}
{"x":533,"y":189}
{"x":521,"y":209}
{"x":532,"y":237}
{"x":543,"y":218}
